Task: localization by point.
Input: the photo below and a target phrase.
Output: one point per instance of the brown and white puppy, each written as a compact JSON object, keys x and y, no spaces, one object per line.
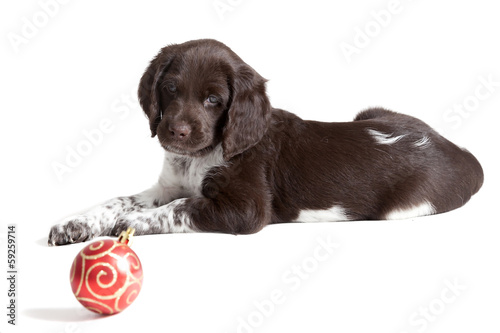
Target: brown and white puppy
{"x":234,"y":164}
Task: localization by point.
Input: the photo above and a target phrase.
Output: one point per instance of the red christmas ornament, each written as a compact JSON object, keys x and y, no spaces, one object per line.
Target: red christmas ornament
{"x":106,"y":276}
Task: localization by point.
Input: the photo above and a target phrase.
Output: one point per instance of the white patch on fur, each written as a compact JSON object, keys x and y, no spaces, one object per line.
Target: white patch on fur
{"x":186,"y":223}
{"x":425,"y":208}
{"x":163,"y":219}
{"x":423,"y":143}
{"x":182,"y":176}
{"x":384,"y":138}
{"x":154,"y":195}
{"x":336,"y":213}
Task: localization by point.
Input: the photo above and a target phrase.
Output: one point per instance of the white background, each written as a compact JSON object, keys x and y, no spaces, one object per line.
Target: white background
{"x":85,"y":60}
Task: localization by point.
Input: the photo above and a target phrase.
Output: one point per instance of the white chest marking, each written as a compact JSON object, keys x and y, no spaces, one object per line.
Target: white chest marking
{"x":336,"y":213}
{"x":183,"y":175}
{"x":425,"y":208}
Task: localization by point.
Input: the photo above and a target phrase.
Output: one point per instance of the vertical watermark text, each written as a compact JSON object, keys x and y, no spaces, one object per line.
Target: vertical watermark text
{"x":12,"y":261}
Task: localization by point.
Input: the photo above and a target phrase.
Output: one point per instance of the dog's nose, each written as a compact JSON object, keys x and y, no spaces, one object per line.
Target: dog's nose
{"x":180,"y":131}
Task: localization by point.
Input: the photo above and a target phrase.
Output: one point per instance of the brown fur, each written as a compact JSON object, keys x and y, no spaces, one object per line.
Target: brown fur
{"x":280,"y":164}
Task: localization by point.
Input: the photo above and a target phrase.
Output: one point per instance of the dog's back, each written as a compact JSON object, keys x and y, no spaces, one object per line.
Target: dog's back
{"x":383,"y":165}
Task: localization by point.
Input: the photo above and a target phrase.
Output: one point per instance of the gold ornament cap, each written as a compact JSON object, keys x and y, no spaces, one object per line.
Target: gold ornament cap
{"x":126,"y":237}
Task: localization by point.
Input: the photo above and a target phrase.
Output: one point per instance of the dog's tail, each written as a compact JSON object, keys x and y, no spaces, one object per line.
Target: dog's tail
{"x":374,"y":113}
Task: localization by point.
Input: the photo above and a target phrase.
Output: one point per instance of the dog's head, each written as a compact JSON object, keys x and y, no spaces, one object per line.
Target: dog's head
{"x":199,"y":94}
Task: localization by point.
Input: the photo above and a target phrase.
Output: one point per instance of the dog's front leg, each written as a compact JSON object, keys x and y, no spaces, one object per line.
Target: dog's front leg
{"x":169,"y":218}
{"x":238,"y":215}
{"x":100,"y":220}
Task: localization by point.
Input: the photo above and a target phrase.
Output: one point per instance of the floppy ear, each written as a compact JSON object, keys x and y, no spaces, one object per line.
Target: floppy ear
{"x":149,"y":94}
{"x":249,"y":113}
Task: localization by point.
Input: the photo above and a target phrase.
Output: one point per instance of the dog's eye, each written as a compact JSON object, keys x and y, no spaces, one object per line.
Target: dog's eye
{"x":171,"y":88}
{"x":212,"y":99}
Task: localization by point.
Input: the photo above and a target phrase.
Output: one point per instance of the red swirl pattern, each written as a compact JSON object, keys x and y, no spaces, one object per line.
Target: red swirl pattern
{"x":106,"y":276}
